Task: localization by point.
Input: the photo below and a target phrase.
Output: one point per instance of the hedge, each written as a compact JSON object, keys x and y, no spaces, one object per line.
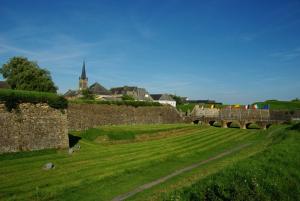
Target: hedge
{"x":12,"y":98}
{"x":128,"y":103}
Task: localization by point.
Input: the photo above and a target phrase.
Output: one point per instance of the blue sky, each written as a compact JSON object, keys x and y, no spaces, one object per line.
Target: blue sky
{"x":228,"y":50}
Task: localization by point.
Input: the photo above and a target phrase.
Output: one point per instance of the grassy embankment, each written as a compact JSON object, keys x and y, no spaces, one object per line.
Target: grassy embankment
{"x":102,"y":170}
{"x":271,"y":175}
{"x":280,"y":105}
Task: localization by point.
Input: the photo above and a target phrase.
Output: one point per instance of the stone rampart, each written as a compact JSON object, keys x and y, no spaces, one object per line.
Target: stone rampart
{"x":32,"y":127}
{"x":83,"y":116}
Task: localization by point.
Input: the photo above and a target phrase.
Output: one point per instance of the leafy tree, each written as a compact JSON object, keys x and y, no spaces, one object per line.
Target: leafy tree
{"x":126,"y":97}
{"x":22,"y":74}
{"x":178,"y":99}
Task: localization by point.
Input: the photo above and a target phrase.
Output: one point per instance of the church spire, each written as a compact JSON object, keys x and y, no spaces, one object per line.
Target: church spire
{"x":83,"y":74}
{"x":83,"y":80}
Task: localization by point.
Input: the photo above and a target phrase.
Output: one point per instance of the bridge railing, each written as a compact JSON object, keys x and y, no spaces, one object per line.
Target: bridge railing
{"x":242,"y":114}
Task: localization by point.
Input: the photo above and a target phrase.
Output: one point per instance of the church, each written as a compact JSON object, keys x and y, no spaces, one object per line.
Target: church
{"x":96,"y":89}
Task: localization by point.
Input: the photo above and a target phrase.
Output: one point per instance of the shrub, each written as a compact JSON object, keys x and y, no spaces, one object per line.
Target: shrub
{"x":127,"y":97}
{"x":12,"y":98}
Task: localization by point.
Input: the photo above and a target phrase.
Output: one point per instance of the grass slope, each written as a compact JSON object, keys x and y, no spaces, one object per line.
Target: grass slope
{"x":100,"y":171}
{"x":271,"y":175}
{"x":279,"y":105}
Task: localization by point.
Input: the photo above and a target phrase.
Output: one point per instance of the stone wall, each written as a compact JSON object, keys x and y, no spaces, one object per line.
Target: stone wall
{"x":83,"y":116}
{"x":32,"y":127}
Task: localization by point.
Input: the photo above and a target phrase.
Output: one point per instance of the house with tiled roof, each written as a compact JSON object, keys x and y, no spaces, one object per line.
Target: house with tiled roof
{"x":98,"y":89}
{"x":139,"y":94}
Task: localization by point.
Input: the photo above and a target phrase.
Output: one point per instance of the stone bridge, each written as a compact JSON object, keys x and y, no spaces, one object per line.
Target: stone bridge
{"x":226,"y":117}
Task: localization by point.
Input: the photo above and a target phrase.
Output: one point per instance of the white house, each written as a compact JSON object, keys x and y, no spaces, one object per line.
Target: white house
{"x":163,"y":99}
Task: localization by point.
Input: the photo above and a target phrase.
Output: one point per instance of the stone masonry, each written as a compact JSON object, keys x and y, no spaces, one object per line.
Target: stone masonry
{"x":83,"y":116}
{"x":32,"y":127}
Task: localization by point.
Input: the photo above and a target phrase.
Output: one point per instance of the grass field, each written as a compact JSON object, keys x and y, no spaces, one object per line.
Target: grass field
{"x":103,"y":169}
{"x":270,"y":175}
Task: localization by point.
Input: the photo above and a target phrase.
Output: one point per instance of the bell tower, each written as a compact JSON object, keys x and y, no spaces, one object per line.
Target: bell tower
{"x":83,"y":80}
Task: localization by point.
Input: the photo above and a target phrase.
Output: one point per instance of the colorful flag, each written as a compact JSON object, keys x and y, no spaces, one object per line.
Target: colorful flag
{"x":237,"y":106}
{"x":255,"y":106}
{"x":266,"y":107}
{"x":246,"y":107}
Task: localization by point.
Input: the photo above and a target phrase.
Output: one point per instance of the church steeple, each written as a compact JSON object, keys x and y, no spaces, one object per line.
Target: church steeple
{"x":83,"y":80}
{"x":83,"y":74}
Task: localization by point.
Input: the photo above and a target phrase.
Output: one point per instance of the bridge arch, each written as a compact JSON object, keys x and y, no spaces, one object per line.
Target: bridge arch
{"x":233,"y":124}
{"x":229,"y":124}
{"x":212,"y":122}
{"x":197,"y":121}
{"x":252,"y":125}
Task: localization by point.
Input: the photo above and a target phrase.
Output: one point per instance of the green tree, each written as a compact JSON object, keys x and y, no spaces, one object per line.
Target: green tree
{"x":178,"y":99}
{"x":22,"y":74}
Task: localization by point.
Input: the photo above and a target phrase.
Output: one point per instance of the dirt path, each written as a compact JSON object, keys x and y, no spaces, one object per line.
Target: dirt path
{"x":177,"y":172}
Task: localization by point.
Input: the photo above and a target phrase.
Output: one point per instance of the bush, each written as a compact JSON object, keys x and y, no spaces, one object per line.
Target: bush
{"x":126,"y":97}
{"x":296,"y":127}
{"x":12,"y":98}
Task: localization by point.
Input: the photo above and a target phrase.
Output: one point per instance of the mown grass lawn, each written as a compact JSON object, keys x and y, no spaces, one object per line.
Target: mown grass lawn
{"x":269,"y":175}
{"x":101,"y":171}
